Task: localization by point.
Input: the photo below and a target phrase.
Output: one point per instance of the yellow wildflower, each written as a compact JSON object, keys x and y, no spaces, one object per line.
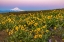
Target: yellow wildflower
{"x":38,"y":29}
{"x":36,"y":36}
{"x":3,"y":22}
{"x":12,"y":31}
{"x":16,"y":28}
{"x":19,"y":26}
{"x":24,"y":25}
{"x":7,"y":30}
{"x":35,"y":24}
{"x":40,"y":36}
{"x":49,"y":17}
{"x":9,"y":19}
{"x":55,"y":28}
{"x":44,"y":26}
{"x":47,"y":31}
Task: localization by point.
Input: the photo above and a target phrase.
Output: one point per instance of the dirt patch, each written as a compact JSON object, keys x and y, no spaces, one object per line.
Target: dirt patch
{"x":56,"y":39}
{"x":3,"y":35}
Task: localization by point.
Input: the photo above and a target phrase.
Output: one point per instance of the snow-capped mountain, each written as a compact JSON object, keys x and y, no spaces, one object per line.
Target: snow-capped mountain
{"x":16,"y":9}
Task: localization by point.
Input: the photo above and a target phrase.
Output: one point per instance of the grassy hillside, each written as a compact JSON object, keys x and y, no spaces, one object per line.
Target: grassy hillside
{"x":33,"y":26}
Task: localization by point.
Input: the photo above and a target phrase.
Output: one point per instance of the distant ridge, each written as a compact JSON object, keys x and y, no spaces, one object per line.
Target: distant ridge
{"x":22,"y":11}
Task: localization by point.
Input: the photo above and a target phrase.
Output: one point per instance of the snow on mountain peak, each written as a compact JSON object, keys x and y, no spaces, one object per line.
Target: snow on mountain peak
{"x":16,"y":9}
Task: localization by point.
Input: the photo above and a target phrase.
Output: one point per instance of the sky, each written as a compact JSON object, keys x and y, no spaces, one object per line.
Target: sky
{"x":31,"y":4}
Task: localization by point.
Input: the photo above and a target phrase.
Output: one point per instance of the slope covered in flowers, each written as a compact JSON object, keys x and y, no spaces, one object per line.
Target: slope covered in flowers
{"x":33,"y":27}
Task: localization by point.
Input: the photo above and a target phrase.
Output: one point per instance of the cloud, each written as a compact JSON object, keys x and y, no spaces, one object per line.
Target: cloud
{"x":16,"y":9}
